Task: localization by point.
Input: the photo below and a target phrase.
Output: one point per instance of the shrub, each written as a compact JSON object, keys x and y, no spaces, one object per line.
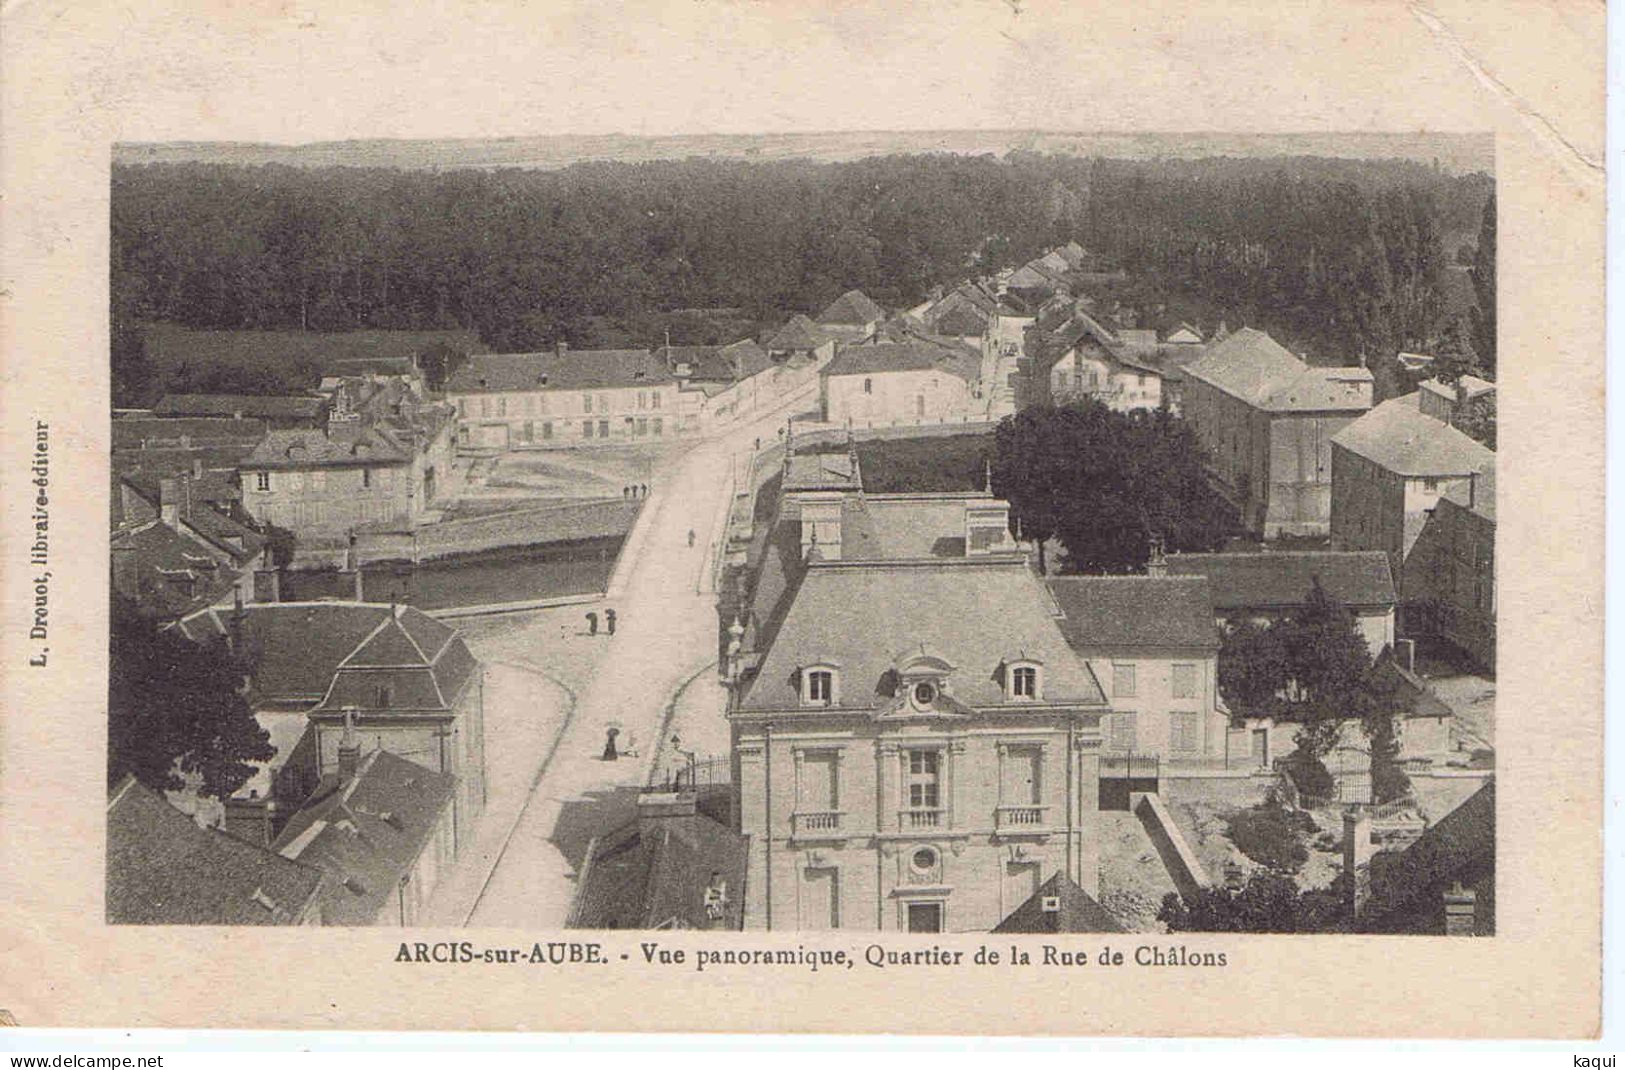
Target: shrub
{"x":1271,"y":836}
{"x":1389,"y":782}
{"x":1312,"y":779}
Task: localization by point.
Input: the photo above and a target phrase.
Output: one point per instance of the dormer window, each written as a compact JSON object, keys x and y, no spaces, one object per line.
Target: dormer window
{"x":818,"y":685}
{"x":1023,"y":681}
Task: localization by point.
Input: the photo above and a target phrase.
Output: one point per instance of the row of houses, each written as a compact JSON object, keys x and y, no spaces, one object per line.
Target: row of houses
{"x":376,"y":716}
{"x":898,"y":765}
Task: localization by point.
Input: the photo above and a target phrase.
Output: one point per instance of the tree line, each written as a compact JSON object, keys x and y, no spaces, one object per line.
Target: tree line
{"x":1348,"y":253}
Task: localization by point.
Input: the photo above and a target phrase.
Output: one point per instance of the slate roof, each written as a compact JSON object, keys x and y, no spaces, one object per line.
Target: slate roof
{"x":1114,"y":612}
{"x":1405,"y":888}
{"x":878,"y":527}
{"x":798,"y":333}
{"x":1478,"y":499}
{"x":1404,"y":693}
{"x":167,"y":573}
{"x":962,"y":321}
{"x":1281,"y":580}
{"x":852,"y":309}
{"x":300,"y":449}
{"x":1078,"y":913}
{"x":728,"y":364}
{"x":267,"y":407}
{"x":574,"y":369}
{"x":366,"y":832}
{"x":1396,"y":436}
{"x":335,"y":654}
{"x":163,"y":869}
{"x":905,"y":357}
{"x":654,"y":876}
{"x":1254,"y":367}
{"x":862,"y":614}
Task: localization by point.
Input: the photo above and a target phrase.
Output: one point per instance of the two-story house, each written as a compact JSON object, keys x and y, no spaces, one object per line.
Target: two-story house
{"x":1266,"y":421}
{"x":907,"y":382}
{"x":564,"y":399}
{"x":1086,"y":360}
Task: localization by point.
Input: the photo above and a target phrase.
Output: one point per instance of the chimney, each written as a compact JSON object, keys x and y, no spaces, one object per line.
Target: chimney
{"x":351,"y":572}
{"x":1357,"y":851}
{"x":169,"y":501}
{"x":1472,"y":490}
{"x":249,"y":819}
{"x":349,"y":746}
{"x":197,"y":467}
{"x":234,"y":629}
{"x":561,"y":347}
{"x":656,"y":807}
{"x":1460,"y":911}
{"x":1156,"y":564}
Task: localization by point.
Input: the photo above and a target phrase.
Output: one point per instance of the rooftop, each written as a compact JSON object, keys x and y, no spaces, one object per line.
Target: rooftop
{"x":797,"y":334}
{"x":163,"y":869}
{"x":1477,"y":497}
{"x":905,"y":357}
{"x":654,"y":873}
{"x":366,"y":832}
{"x":1460,"y":848}
{"x":859,"y":614}
{"x":1075,"y":911}
{"x":1281,"y":580}
{"x":726,"y":364}
{"x":305,"y":448}
{"x":1398,"y":437}
{"x":573,"y":369}
{"x":1111,"y":612}
{"x":328,"y":654}
{"x":1254,"y":367}
{"x":852,"y":309}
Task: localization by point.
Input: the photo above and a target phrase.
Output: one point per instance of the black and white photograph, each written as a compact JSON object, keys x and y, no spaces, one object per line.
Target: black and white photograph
{"x":956,"y":532}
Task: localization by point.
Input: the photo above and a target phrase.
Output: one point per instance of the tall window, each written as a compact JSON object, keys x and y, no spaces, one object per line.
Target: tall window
{"x":1184,"y":681}
{"x":462,"y":407}
{"x":586,"y":425}
{"x":1024,"y":682}
{"x":502,"y":406}
{"x":654,"y":399}
{"x":1124,"y":732}
{"x":366,"y":477}
{"x":485,"y":406}
{"x":586,"y":402}
{"x":1122,"y":680}
{"x":924,"y":780}
{"x":603,"y":402}
{"x":820,"y":686}
{"x":868,"y":386}
{"x":262,"y":481}
{"x":1183,"y":729}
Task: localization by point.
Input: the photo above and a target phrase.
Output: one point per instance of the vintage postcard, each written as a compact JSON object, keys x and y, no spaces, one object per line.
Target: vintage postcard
{"x":900,"y":518}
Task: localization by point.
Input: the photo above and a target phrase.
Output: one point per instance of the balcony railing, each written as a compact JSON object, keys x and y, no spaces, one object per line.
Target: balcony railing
{"x":818,"y":821}
{"x":920,"y":817}
{"x":1015,"y":817}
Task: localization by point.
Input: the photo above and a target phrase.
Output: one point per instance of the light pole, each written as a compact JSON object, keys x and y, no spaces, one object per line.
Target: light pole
{"x":676,"y":745}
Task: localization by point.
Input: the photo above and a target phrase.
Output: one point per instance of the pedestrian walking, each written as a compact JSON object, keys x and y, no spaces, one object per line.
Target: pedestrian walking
{"x":609,"y":744}
{"x":626,"y":492}
{"x":609,"y":619}
{"x":592,"y":624}
{"x":691,"y":538}
{"x":645,"y":489}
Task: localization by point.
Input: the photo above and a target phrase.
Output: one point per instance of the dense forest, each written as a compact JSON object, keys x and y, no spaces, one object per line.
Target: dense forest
{"x":1346,"y":256}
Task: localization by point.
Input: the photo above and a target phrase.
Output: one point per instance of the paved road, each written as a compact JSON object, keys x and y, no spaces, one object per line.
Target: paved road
{"x":666,"y":633}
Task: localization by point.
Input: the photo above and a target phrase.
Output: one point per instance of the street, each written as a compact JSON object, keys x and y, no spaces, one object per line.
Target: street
{"x":666,"y":633}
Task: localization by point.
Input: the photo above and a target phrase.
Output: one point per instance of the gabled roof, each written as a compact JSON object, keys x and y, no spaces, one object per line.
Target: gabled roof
{"x":574,"y":369}
{"x":731,"y":363}
{"x":654,"y":873}
{"x":301,"y":449}
{"x":960,"y":321}
{"x":366,"y":832}
{"x":1398,"y":437}
{"x":162,"y":869}
{"x":852,"y":309}
{"x":799,"y":333}
{"x":167,"y":573}
{"x":908,"y":356}
{"x":1076,"y":911}
{"x":334,"y":654}
{"x":1111,"y":612}
{"x":860,"y":613}
{"x":1277,"y":580}
{"x":1402,"y":692}
{"x":1254,"y":367}
{"x":266,"y":407}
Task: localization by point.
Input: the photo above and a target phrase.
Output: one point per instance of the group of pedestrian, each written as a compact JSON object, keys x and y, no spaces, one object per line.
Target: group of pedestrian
{"x":636,"y":490}
{"x":609,"y":622}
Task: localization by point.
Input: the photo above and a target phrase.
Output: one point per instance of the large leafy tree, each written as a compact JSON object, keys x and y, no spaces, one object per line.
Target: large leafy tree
{"x":1252,"y":668}
{"x":1328,"y":665}
{"x":1105,"y":483}
{"x":176,"y":708}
